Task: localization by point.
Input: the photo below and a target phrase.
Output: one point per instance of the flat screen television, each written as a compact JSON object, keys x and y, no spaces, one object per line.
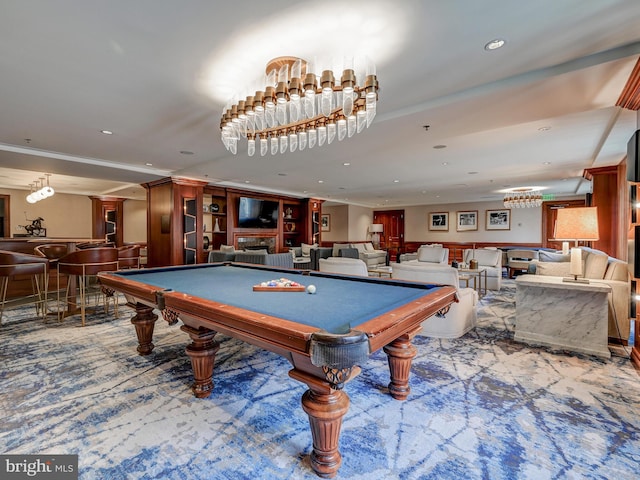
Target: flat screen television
{"x":257,"y":213}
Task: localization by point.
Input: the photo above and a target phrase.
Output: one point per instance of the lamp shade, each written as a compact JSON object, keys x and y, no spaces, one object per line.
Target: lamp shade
{"x":375,"y":228}
{"x":578,"y":224}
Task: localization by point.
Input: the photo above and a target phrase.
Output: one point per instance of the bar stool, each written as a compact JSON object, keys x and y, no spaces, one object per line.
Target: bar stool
{"x":15,"y":263}
{"x":52,"y":251}
{"x":128,"y":257}
{"x":85,"y":264}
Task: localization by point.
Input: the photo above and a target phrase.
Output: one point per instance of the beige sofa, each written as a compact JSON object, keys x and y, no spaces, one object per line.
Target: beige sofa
{"x":461,"y":317}
{"x":489,"y":259}
{"x":366,"y":253}
{"x":598,"y":267}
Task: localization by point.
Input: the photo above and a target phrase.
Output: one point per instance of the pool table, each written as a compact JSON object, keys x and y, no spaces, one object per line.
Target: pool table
{"x":326,"y":336}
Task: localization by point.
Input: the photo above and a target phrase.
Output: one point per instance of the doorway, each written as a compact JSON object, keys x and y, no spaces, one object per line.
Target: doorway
{"x":392,"y":236}
{"x":549,"y":214}
{"x":5,"y":229}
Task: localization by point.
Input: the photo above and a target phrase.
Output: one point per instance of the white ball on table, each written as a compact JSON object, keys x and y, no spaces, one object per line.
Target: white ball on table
{"x":311,"y":289}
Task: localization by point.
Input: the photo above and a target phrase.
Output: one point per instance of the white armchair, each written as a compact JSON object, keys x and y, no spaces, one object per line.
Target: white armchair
{"x":343,"y":265}
{"x":437,"y":255}
{"x":489,"y":259}
{"x":461,"y":317}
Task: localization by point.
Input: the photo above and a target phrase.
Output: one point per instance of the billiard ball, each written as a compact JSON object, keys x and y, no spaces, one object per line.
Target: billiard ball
{"x":311,"y":289}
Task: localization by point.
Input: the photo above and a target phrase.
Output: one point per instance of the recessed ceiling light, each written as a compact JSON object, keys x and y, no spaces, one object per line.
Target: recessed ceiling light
{"x":495,"y":44}
{"x":149,"y":164}
{"x":472,"y":173}
{"x":106,"y":132}
{"x":320,"y":181}
{"x":186,"y":152}
{"x":396,"y":181}
{"x":445,"y":163}
{"x":247,"y":181}
{"x":546,"y":163}
{"x":282,"y":174}
{"x":544,"y":129}
{"x":438,"y":147}
{"x":346,"y":164}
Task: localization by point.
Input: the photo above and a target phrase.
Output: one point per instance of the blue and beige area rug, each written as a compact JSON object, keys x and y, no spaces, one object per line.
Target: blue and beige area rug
{"x":481,"y":407}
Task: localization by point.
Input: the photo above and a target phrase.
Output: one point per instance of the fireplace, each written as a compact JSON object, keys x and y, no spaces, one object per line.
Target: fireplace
{"x":256,"y":243}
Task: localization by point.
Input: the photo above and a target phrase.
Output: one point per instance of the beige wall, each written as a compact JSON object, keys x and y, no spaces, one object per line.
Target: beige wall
{"x":352,"y":223}
{"x":134,"y":221}
{"x":70,"y":215}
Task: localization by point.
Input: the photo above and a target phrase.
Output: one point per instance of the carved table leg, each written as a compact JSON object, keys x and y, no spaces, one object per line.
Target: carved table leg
{"x":326,"y":407}
{"x":400,"y":353}
{"x":144,"y":320}
{"x":202,"y":352}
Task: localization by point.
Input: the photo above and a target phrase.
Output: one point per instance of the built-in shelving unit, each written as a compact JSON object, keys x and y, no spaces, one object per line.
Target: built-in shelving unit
{"x":190,"y":231}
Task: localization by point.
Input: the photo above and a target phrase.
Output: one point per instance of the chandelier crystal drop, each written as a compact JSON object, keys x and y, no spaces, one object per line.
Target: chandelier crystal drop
{"x":523,"y":198}
{"x":296,"y":110}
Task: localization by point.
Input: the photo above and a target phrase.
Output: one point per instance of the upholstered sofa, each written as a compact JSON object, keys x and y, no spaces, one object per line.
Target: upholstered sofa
{"x":366,"y":253}
{"x":489,"y":259}
{"x":598,"y":267}
{"x":461,"y":317}
{"x":343,"y":265}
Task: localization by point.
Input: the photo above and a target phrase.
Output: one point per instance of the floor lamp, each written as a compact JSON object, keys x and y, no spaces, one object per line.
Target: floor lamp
{"x":577,"y":225}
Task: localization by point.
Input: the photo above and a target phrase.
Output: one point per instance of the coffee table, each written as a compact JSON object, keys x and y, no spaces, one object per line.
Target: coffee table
{"x":381,"y":270}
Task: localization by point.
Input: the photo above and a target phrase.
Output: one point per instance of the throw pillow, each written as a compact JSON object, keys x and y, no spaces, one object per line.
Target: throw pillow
{"x":554,"y":269}
{"x":227,"y":248}
{"x":369,"y":247}
{"x":595,"y":265}
{"x":337,"y":247}
{"x":360,"y":247}
{"x":306,"y":249}
{"x":553,"y":257}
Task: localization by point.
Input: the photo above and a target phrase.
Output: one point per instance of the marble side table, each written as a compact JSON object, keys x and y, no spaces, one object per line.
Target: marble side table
{"x":562,"y":315}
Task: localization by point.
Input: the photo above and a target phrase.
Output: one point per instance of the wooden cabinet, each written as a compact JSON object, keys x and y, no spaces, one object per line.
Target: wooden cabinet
{"x":214,"y":220}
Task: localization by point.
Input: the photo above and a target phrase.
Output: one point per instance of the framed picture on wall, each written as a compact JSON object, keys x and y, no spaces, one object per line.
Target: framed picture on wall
{"x":439,"y":221}
{"x":467,"y":220}
{"x":325,"y":222}
{"x":498,"y":219}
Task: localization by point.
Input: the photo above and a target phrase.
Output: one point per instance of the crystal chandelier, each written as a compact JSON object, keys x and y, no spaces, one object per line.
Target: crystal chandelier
{"x":523,"y":198}
{"x":42,"y":192}
{"x":295,"y":111}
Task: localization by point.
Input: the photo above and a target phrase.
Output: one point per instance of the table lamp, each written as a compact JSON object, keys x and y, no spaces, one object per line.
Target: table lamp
{"x":375,"y":229}
{"x":577,"y":224}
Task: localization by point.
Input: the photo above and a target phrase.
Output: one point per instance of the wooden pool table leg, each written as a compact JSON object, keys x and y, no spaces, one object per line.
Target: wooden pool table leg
{"x":144,"y":320}
{"x":326,"y":408}
{"x":400,"y":354}
{"x":202,"y":352}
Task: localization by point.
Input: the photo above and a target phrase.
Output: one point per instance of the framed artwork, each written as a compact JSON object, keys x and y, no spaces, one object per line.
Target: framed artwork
{"x":467,"y":220}
{"x":439,"y":221}
{"x":325,"y":222}
{"x":498,"y":219}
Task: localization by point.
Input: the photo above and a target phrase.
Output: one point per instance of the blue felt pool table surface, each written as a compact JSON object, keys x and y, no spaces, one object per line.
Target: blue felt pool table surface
{"x":340,"y":302}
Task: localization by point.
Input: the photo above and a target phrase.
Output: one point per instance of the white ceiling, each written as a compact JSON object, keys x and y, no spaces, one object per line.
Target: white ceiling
{"x":70,"y":68}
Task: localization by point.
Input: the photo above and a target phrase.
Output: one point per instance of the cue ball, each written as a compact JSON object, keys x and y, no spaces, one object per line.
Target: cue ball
{"x":311,"y":289}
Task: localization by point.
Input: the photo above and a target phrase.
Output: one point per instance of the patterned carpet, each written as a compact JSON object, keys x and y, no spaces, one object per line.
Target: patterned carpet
{"x":481,"y":407}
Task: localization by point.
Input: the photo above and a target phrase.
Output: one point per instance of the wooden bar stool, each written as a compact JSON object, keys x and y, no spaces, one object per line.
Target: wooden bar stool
{"x":13,"y":264}
{"x":85,"y":265}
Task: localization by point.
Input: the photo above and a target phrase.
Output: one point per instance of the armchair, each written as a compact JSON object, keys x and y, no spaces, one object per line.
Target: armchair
{"x":489,"y":259}
{"x":461,"y":317}
{"x":436,"y":255}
